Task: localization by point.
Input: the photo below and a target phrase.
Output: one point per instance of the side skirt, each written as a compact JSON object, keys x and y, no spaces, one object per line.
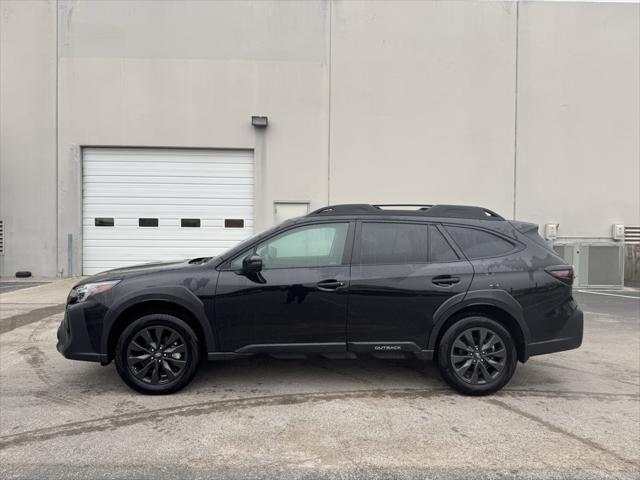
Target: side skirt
{"x":391,"y":349}
{"x":329,"y":350}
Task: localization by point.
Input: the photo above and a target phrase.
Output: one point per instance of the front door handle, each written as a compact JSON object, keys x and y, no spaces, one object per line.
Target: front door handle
{"x":329,"y":285}
{"x":445,"y":280}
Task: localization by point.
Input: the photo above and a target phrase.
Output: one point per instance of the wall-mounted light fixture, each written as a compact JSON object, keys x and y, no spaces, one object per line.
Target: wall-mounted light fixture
{"x":260,"y":122}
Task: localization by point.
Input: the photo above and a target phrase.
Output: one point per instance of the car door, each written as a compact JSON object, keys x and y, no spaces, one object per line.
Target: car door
{"x":297,"y":302}
{"x":401,"y":273}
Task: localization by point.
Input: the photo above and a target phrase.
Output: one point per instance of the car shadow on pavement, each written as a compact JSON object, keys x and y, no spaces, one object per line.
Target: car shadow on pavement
{"x":264,"y":375}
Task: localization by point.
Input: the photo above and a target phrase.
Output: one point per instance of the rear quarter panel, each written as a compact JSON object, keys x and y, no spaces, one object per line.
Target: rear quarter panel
{"x":545,"y":301}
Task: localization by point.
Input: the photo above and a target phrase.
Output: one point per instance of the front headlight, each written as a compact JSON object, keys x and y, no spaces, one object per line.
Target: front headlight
{"x":81,"y":293}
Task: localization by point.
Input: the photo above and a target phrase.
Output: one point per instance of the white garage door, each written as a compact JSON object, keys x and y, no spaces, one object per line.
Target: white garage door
{"x":148,"y":205}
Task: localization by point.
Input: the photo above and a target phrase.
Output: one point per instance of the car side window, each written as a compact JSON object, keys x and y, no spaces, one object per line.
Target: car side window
{"x":393,"y":243}
{"x":439,"y":249}
{"x":308,"y":246}
{"x":479,"y":243}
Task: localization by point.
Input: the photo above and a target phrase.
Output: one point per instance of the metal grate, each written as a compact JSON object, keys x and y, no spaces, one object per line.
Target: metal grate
{"x":1,"y":237}
{"x":632,"y":235}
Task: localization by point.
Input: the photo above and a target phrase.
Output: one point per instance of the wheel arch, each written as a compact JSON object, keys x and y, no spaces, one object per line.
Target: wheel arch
{"x":135,"y":309}
{"x":495,"y":307}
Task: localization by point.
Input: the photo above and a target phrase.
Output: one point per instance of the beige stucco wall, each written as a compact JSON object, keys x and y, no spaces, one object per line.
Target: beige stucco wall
{"x":422,"y":103}
{"x":367,"y":101}
{"x":579,"y":116}
{"x":28,"y":135}
{"x":191,"y":75}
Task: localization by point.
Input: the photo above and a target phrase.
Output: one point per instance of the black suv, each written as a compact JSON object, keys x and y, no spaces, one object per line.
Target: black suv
{"x":460,"y":285}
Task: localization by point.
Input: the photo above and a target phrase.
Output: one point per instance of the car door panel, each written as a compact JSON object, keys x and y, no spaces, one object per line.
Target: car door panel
{"x":292,"y":307}
{"x":287,"y":308}
{"x":392,"y":304}
{"x":396,"y":303}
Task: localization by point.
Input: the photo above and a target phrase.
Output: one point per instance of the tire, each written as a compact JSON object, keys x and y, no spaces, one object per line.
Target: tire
{"x":472,"y":370}
{"x":149,"y":366}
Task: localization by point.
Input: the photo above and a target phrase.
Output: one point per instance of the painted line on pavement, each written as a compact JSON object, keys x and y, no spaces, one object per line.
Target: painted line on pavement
{"x":609,"y":294}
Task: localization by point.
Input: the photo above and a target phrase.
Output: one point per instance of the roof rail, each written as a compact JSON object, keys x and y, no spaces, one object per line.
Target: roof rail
{"x":442,"y":211}
{"x":417,"y":206}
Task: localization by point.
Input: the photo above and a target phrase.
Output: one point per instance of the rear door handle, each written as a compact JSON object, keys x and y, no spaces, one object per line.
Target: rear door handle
{"x":445,"y":280}
{"x":329,"y":285}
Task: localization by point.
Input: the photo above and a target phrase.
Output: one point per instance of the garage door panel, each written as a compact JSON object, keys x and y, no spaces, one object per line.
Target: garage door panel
{"x":174,"y":170}
{"x":166,"y":201}
{"x":206,"y":223}
{"x":169,"y":191}
{"x":137,"y":237}
{"x":197,"y":211}
{"x":164,"y":155}
{"x":148,"y":253}
{"x":158,"y":243}
{"x":91,"y":180}
{"x":167,"y":184}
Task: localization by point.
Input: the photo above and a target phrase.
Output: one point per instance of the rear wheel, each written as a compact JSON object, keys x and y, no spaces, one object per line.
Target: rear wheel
{"x":157,"y":354}
{"x":477,"y":356}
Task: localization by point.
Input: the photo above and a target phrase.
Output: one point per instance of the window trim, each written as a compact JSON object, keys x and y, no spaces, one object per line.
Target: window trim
{"x":234,"y":223}
{"x":517,"y":245}
{"x":110,"y":222}
{"x":346,"y":254}
{"x":190,"y":219}
{"x":157,"y":219}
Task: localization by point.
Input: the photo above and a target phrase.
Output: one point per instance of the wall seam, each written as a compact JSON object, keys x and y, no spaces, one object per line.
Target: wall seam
{"x":57,"y":121}
{"x":329,"y":106}
{"x":515,"y":111}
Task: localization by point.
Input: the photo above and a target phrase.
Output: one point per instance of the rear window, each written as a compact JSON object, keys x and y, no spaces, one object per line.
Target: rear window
{"x":393,"y":243}
{"x":478,"y":243}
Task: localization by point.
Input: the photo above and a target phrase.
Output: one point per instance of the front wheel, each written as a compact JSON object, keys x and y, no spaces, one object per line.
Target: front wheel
{"x":157,"y":354}
{"x":477,"y":356}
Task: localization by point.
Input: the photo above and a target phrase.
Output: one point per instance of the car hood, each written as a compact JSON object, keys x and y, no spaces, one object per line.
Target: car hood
{"x":145,"y":268}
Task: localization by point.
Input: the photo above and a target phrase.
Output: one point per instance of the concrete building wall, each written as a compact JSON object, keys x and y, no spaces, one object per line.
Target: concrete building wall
{"x":578,"y":160}
{"x":191,"y":74}
{"x":422,"y":103}
{"x":28,"y":135}
{"x":531,"y":106}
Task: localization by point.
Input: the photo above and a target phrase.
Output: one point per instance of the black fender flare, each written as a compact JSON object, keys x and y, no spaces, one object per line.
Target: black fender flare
{"x":491,"y":297}
{"x":177,"y":295}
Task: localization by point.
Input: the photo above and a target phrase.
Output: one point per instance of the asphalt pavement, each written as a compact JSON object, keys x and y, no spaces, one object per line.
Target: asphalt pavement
{"x":573,"y":415}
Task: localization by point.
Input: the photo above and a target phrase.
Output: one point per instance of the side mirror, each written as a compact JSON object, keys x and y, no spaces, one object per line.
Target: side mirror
{"x":252,"y":263}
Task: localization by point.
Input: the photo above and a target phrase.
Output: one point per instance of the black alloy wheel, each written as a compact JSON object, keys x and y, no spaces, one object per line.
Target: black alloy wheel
{"x":477,"y":355}
{"x":157,"y":354}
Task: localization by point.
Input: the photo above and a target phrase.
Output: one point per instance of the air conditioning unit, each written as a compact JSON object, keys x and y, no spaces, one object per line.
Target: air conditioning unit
{"x":617,"y":231}
{"x":551,"y":231}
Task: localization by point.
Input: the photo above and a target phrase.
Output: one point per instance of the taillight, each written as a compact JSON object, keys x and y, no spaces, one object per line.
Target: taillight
{"x":563,"y":273}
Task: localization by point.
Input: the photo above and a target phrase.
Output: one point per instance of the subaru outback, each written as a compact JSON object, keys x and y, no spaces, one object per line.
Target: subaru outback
{"x":458,"y":285}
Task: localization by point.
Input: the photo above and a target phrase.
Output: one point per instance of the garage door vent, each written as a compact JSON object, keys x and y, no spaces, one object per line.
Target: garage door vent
{"x":632,"y":235}
{"x":1,"y":237}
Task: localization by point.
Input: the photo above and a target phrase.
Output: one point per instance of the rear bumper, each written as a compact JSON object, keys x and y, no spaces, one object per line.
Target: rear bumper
{"x":73,"y":338}
{"x":568,"y":339}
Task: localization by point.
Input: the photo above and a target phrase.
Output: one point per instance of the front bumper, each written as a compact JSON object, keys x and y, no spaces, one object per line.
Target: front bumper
{"x":569,"y":338}
{"x":74,"y":339}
